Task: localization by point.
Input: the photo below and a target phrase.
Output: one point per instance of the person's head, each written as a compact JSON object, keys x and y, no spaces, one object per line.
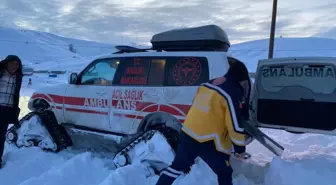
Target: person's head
{"x":238,"y":71}
{"x":12,"y":64}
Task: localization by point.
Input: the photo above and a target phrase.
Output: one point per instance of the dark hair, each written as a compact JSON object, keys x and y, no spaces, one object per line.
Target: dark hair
{"x":11,"y":58}
{"x":238,"y":70}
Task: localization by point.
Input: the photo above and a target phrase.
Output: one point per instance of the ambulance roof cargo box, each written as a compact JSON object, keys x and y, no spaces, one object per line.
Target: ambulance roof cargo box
{"x":204,"y":38}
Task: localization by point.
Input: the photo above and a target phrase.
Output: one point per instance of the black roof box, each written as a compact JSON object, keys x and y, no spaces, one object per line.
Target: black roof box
{"x":203,"y":38}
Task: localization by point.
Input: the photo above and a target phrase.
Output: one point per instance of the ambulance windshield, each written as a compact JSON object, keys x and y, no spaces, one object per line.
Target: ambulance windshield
{"x":317,"y":78}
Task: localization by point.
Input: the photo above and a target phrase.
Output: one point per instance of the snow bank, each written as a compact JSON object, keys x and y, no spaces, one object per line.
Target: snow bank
{"x":30,"y":166}
{"x":308,"y":169}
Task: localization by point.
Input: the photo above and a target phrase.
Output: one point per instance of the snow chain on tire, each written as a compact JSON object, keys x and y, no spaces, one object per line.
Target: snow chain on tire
{"x":144,"y":137}
{"x":56,"y":131}
{"x":171,"y":135}
{"x":168,"y":132}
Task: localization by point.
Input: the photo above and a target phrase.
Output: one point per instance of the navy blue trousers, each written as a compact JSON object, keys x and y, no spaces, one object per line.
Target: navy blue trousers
{"x":188,"y":150}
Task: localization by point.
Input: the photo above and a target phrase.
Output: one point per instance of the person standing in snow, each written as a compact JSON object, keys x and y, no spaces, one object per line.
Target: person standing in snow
{"x":10,"y":85}
{"x":212,"y":126}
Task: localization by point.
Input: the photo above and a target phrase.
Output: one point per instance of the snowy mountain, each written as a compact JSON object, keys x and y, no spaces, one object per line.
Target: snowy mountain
{"x":252,"y":51}
{"x":45,"y":51}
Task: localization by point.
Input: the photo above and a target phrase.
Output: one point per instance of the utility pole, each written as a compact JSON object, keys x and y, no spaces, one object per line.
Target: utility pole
{"x":271,"y":41}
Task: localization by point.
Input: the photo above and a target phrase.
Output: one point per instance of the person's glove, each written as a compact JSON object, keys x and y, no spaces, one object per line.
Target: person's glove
{"x":248,"y":139}
{"x":242,"y":156}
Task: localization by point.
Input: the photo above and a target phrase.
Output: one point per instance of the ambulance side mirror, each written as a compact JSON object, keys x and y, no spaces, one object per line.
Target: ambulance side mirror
{"x":73,"y":78}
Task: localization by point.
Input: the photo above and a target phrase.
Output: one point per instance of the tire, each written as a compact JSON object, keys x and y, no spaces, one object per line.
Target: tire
{"x":49,"y":121}
{"x":171,"y":134}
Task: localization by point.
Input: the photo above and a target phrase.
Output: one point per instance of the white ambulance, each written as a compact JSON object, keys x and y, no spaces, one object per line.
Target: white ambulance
{"x":143,"y":95}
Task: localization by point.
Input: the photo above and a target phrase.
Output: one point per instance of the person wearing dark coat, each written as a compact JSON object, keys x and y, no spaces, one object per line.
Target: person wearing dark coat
{"x":212,"y":129}
{"x":10,"y":85}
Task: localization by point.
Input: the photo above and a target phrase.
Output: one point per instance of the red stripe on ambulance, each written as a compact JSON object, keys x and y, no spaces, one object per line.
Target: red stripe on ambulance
{"x":86,"y":111}
{"x":119,"y":104}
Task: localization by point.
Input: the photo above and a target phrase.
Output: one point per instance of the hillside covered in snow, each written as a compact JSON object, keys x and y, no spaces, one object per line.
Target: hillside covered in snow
{"x":45,"y":51}
{"x":252,"y":51}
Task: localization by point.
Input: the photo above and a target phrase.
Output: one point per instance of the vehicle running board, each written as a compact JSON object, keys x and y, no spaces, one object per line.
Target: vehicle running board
{"x":263,"y":139}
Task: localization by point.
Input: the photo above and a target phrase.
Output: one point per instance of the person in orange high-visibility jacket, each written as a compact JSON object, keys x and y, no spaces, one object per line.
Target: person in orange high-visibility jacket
{"x":211,"y":130}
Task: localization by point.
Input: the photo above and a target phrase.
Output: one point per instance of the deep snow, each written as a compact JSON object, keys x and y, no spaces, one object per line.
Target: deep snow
{"x":310,"y":159}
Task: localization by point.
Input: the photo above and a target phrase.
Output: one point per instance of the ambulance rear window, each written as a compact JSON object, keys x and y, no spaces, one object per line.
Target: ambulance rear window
{"x":317,"y":78}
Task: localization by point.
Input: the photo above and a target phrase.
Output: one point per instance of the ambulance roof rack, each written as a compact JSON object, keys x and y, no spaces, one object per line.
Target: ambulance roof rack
{"x":203,"y":38}
{"x":128,"y":49}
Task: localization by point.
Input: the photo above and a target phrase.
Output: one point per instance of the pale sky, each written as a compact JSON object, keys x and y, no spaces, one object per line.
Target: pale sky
{"x":125,"y":21}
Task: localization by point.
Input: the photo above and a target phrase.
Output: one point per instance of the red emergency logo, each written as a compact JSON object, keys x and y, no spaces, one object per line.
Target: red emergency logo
{"x":187,"y":71}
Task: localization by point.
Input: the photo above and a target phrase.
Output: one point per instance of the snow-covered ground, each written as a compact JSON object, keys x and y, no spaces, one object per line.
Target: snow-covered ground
{"x":310,"y":159}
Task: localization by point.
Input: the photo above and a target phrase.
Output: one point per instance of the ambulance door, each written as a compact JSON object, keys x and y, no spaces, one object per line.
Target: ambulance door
{"x":88,"y":102}
{"x":296,"y":94}
{"x":137,"y":92}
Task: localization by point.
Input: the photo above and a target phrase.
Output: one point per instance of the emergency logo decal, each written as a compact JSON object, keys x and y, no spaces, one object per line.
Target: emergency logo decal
{"x":187,"y":71}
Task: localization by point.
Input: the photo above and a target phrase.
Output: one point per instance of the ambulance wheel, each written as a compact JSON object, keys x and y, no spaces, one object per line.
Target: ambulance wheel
{"x":11,"y":136}
{"x":171,"y":134}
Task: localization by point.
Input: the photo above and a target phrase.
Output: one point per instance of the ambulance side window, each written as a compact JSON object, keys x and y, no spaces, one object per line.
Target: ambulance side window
{"x":100,"y":72}
{"x":162,"y":71}
{"x":132,"y":71}
{"x":186,"y":71}
{"x":157,"y":72}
